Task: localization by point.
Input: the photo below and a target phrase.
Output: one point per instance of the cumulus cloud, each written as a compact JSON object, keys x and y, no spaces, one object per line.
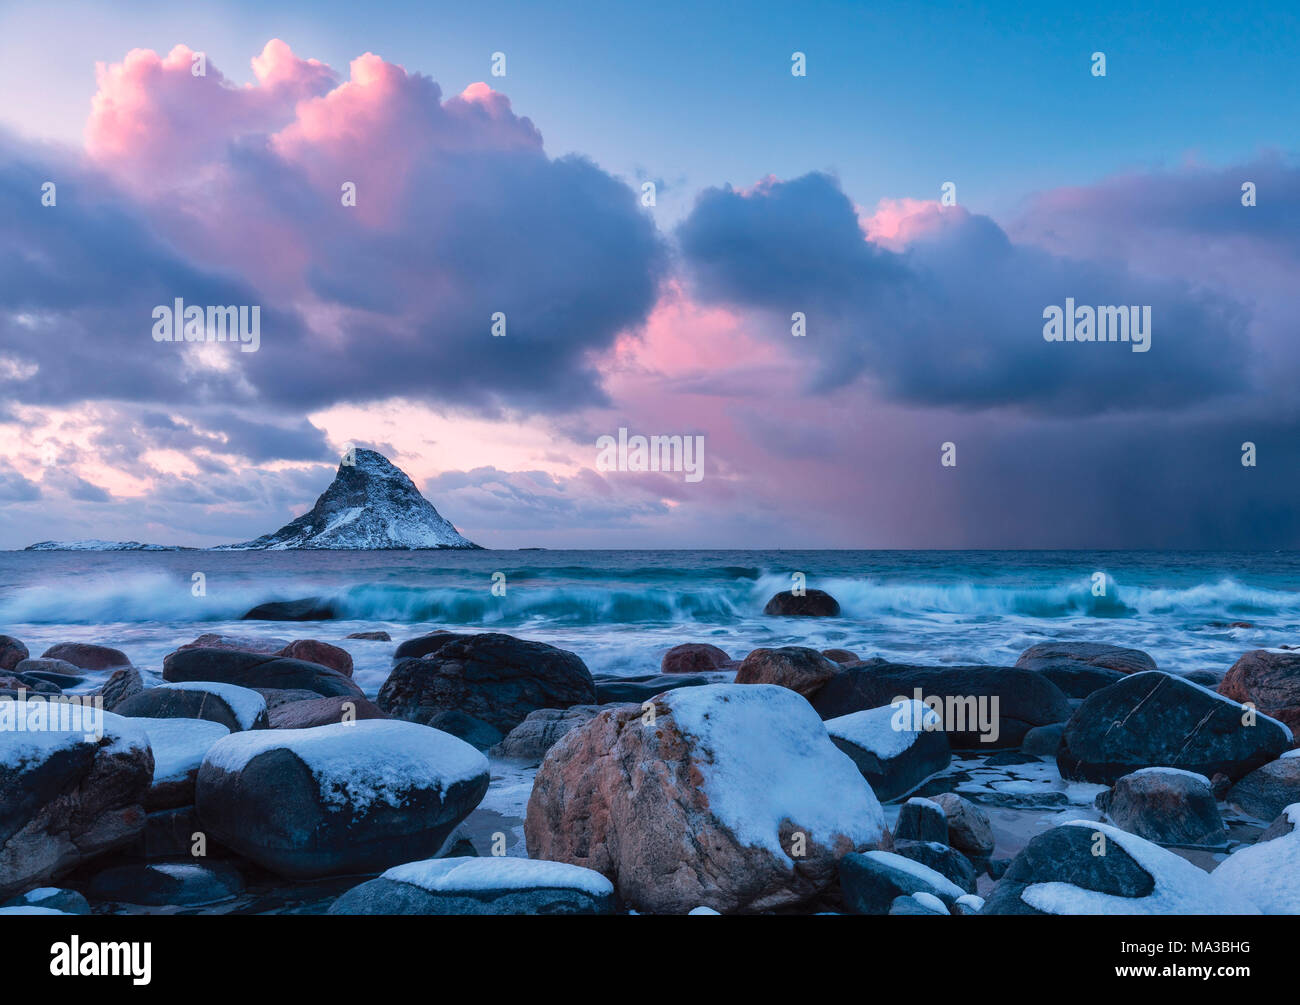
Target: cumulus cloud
{"x":196,"y":188}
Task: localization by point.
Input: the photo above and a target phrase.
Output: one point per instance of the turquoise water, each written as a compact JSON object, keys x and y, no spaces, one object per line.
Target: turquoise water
{"x":619,"y":610}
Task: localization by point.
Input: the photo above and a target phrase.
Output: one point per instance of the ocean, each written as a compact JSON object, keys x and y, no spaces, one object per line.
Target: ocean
{"x":620,"y":610}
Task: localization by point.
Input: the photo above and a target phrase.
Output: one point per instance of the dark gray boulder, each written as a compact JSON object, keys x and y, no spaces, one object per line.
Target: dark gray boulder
{"x":809,"y":604}
{"x":1025,"y":699}
{"x":304,"y":609}
{"x":1269,"y":789}
{"x":616,"y":690}
{"x":494,"y":677}
{"x":1158,"y":720}
{"x":258,"y":671}
{"x":921,"y":820}
{"x":538,"y":733}
{"x":477,"y":733}
{"x":162,"y":884}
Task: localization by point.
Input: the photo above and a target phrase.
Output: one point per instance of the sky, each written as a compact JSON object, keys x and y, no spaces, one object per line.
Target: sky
{"x":923,"y":408}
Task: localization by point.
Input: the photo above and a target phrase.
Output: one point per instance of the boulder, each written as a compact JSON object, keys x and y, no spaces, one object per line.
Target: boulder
{"x":1269,"y":789}
{"x":167,"y":884}
{"x":538,"y":733}
{"x":1086,"y":867}
{"x":947,"y":862}
{"x":422,"y":645}
{"x":731,"y":796}
{"x":66,"y":795}
{"x":841,"y":656}
{"x":891,"y":746}
{"x":969,"y":714}
{"x":802,"y":670}
{"x":305,"y":609}
{"x":12,"y":652}
{"x":85,"y":656}
{"x":57,"y":672}
{"x":314,"y":711}
{"x":121,"y":685}
{"x":494,"y":677}
{"x":370,"y":636}
{"x":1158,"y":720}
{"x":1073,"y":655}
{"x":239,"y":643}
{"x":612,"y":690}
{"x":179,"y":746}
{"x":312,"y":651}
{"x":173,"y":834}
{"x":481,"y":886}
{"x":343,"y":798}
{"x":477,"y":733}
{"x":969,"y":828}
{"x":258,"y":671}
{"x":1167,"y":806}
{"x":809,"y":604}
{"x":694,"y":657}
{"x":53,"y":899}
{"x":237,"y":708}
{"x":870,"y":882}
{"x":921,"y":820}
{"x":1078,"y":680}
{"x":1043,"y":741}
{"x":1267,"y":874}
{"x":1270,"y":680}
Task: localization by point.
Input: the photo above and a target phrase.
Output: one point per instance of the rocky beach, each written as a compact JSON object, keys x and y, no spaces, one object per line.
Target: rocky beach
{"x":294,"y":763}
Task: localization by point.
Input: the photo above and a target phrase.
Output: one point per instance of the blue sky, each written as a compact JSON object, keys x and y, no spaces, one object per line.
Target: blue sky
{"x":898,"y":99}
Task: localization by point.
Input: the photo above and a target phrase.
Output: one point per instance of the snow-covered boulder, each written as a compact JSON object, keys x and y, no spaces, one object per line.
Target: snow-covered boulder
{"x":179,"y":746}
{"x":1268,"y":872}
{"x":1167,"y":806}
{"x":948,"y":862}
{"x":1155,"y":719}
{"x":70,"y":788}
{"x":731,"y":796}
{"x":1269,"y":789}
{"x":1087,"y":867}
{"x":870,"y":882}
{"x":481,"y":886}
{"x":348,"y":797}
{"x":237,"y":708}
{"x":896,"y":747}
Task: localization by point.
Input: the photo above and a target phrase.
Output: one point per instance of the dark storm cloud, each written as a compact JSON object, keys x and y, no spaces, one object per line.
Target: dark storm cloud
{"x":956,"y":319}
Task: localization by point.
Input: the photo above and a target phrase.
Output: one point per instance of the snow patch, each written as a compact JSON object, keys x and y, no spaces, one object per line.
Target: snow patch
{"x":479,"y":875}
